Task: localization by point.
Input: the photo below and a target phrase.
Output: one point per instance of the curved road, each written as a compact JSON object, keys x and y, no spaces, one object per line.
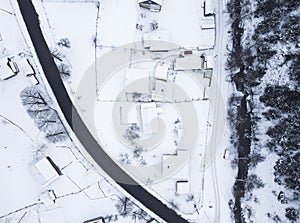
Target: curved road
{"x":31,"y":20}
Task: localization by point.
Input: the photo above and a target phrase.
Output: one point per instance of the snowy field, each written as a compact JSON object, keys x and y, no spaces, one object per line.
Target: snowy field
{"x":79,"y":191}
{"x":77,"y":22}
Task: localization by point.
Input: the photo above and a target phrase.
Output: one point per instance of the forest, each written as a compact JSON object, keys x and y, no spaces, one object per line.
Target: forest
{"x":263,"y":64}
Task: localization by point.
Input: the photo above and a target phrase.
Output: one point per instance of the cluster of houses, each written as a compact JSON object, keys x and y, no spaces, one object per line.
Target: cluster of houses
{"x":159,"y":41}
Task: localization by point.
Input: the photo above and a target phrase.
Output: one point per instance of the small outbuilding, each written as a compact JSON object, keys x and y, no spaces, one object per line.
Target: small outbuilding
{"x":182,"y":187}
{"x":8,"y":68}
{"x":48,"y":170}
{"x":161,"y":72}
{"x":152,"y":5}
{"x":208,"y":8}
{"x":48,"y":197}
{"x":25,"y":66}
{"x":208,"y":62}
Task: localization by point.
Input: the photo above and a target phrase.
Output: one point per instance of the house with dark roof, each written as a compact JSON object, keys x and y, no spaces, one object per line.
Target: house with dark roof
{"x":152,"y":5}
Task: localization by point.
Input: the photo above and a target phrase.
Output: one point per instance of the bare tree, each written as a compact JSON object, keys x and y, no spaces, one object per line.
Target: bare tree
{"x":124,"y":206}
{"x":56,"y":134}
{"x":64,"y":70}
{"x":57,"y":54}
{"x":65,"y":42}
{"x":124,"y":158}
{"x":32,"y":99}
{"x":132,"y":133}
{"x":137,"y":152}
{"x":45,"y":117}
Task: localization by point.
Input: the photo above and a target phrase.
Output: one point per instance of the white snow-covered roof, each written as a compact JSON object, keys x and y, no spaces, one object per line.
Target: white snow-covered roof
{"x":208,"y":26}
{"x":25,"y":66}
{"x":47,"y":170}
{"x":161,"y":72}
{"x":190,"y":62}
{"x":5,"y":70}
{"x":209,"y":62}
{"x":157,"y":40}
{"x":149,"y":112}
{"x":33,"y":79}
{"x":208,"y":7}
{"x":182,"y":187}
{"x":159,"y":2}
{"x":48,"y":197}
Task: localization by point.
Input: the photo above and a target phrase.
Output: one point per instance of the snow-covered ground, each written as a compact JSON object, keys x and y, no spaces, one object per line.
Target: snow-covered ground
{"x":114,"y":25}
{"x":81,"y":193}
{"x":93,"y":30}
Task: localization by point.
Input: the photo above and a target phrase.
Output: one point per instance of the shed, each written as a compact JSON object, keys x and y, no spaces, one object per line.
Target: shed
{"x":48,"y":197}
{"x":25,"y":66}
{"x":208,"y":26}
{"x":182,"y":187}
{"x":152,"y":5}
{"x":208,"y":62}
{"x":7,"y":69}
{"x":208,"y":8}
{"x":161,"y":72}
{"x":48,"y":170}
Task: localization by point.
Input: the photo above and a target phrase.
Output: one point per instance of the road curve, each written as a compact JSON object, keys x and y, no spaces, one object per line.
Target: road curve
{"x":51,"y":72}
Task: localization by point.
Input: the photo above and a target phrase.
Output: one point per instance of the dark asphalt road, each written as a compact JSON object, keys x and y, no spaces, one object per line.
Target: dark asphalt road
{"x":31,"y":19}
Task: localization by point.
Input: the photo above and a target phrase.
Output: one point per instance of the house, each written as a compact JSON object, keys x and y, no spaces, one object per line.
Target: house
{"x":8,"y":68}
{"x":208,"y":8}
{"x":152,"y":5}
{"x":182,"y":187}
{"x":161,"y":72}
{"x":47,"y":168}
{"x":157,"y":41}
{"x":149,"y":111}
{"x":207,"y":62}
{"x":137,"y":81}
{"x":189,"y":62}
